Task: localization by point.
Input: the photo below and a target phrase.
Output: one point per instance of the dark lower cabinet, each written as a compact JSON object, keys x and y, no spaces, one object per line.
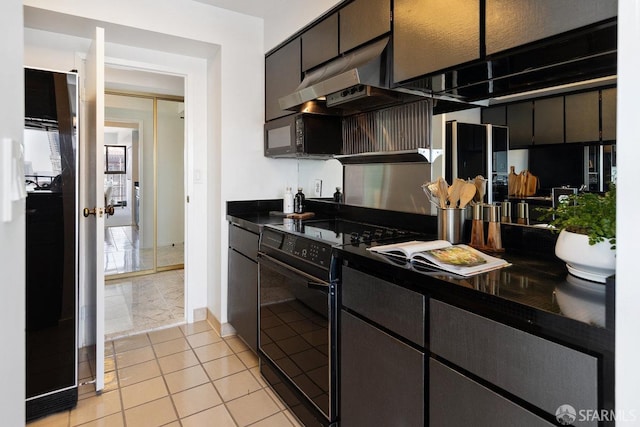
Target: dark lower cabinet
{"x":243,"y":297}
{"x":542,"y":373}
{"x":384,"y":379}
{"x":457,"y":401}
{"x":242,"y":294}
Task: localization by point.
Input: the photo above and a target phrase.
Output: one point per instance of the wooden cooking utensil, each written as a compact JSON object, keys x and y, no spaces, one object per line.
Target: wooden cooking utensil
{"x":466,"y":194}
{"x":454,"y":192}
{"x":443,"y":190}
{"x":481,"y":186}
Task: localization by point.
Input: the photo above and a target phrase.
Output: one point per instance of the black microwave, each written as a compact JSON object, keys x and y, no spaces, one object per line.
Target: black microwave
{"x":303,"y":135}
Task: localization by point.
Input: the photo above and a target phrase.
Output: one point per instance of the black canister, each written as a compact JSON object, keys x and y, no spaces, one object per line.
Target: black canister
{"x":298,"y":201}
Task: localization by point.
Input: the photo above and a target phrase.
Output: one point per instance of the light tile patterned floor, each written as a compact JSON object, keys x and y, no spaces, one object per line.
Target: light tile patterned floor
{"x":181,"y":376}
{"x":139,"y":304}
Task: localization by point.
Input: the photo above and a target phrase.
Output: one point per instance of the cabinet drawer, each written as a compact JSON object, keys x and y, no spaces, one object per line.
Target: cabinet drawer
{"x":244,"y":241}
{"x":448,"y":388}
{"x":393,"y":307}
{"x":539,"y":371}
{"x":383,"y":379}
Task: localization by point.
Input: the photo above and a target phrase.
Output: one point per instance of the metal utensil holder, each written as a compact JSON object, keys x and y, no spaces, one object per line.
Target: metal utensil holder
{"x":451,"y":224}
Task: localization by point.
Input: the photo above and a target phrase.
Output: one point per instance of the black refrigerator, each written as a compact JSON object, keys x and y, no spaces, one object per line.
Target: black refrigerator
{"x":478,"y":149}
{"x":50,"y":157}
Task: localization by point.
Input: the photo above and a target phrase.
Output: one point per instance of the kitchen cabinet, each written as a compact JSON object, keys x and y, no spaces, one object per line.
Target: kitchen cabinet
{"x":494,"y":115}
{"x":320,"y":42}
{"x":609,"y":114}
{"x":374,"y":14}
{"x":282,"y":77}
{"x":582,"y":117}
{"x":511,"y":360}
{"x":512,"y":23}
{"x":382,"y":377}
{"x":520,"y":123}
{"x":432,"y":35}
{"x":243,"y":284}
{"x":448,"y":388}
{"x":548,"y":119}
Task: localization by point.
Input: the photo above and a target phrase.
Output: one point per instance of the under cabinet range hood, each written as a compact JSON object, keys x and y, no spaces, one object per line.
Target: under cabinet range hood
{"x":358,"y":81}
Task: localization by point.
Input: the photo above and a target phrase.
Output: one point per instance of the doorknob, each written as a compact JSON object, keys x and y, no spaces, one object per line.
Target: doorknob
{"x":86,"y":212}
{"x":109,"y":210}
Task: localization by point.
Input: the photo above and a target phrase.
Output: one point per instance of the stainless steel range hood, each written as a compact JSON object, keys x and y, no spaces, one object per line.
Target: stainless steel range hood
{"x":358,"y":81}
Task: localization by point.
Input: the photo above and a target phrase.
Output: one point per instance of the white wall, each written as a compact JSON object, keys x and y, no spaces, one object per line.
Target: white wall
{"x":628,"y":242}
{"x":12,"y":237}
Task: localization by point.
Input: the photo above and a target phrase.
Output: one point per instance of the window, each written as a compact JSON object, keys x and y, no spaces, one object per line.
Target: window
{"x":115,"y":159}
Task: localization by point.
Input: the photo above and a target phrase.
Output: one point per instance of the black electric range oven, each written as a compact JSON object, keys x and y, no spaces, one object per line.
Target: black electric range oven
{"x":299,"y":292}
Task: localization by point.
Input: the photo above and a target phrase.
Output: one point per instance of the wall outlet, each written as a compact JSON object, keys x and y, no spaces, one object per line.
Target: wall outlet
{"x":317,"y":188}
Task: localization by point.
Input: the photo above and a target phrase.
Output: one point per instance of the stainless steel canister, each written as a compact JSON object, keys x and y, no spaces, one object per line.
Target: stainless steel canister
{"x":451,"y":224}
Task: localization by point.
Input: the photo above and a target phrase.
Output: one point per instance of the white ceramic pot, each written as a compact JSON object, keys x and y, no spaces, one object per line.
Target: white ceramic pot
{"x":591,"y":262}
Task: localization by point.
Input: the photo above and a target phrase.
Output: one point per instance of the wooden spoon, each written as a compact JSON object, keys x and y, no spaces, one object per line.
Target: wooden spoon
{"x":454,"y":192}
{"x":466,"y":194}
{"x":443,"y":190}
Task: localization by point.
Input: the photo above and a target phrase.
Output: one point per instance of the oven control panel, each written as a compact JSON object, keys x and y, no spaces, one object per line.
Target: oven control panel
{"x":315,"y":252}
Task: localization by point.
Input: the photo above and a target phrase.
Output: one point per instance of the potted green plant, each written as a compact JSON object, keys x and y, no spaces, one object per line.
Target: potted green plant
{"x":587,"y":240}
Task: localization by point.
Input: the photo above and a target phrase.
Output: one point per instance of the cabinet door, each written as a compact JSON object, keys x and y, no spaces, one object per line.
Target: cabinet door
{"x":431,"y":35}
{"x":448,"y":388}
{"x":511,"y":23}
{"x":375,"y":13}
{"x":320,"y":42}
{"x":495,"y":115}
{"x":382,"y":379}
{"x":520,"y":123}
{"x":540,"y":372}
{"x":548,"y":119}
{"x":609,"y":114}
{"x":282,"y":77}
{"x":582,"y":117}
{"x":243,"y":298}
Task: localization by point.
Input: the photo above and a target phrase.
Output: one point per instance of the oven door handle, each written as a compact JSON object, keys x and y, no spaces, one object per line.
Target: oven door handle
{"x":318,"y":286}
{"x":312,"y":282}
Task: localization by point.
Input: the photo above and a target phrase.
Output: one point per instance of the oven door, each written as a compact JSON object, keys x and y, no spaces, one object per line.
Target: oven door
{"x":298,"y":330}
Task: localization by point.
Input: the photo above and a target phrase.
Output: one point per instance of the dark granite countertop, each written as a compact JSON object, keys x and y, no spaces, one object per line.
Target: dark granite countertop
{"x":535,"y":293}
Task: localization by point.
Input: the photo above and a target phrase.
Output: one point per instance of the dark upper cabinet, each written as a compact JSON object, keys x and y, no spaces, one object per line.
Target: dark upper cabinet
{"x":511,"y":23}
{"x":495,"y":115}
{"x":320,"y":42}
{"x":609,"y":114}
{"x":432,"y":35}
{"x":520,"y":123}
{"x":548,"y":120}
{"x":282,"y":77}
{"x":362,"y":21}
{"x":582,"y":117}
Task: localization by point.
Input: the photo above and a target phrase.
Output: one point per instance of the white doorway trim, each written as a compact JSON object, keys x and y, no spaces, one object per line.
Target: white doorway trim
{"x":192,"y":268}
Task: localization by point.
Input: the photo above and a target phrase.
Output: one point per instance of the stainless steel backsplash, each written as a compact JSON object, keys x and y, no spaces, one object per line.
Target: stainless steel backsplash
{"x":402,"y":127}
{"x":391,"y":186}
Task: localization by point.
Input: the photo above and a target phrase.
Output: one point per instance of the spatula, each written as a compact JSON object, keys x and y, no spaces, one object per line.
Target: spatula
{"x":454,"y":192}
{"x":466,"y":194}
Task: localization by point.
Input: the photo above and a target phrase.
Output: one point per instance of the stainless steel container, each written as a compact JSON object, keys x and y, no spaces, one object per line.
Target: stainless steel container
{"x":451,"y":224}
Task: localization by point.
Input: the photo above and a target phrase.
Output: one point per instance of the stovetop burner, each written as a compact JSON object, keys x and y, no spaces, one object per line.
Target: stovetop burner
{"x":340,"y":232}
